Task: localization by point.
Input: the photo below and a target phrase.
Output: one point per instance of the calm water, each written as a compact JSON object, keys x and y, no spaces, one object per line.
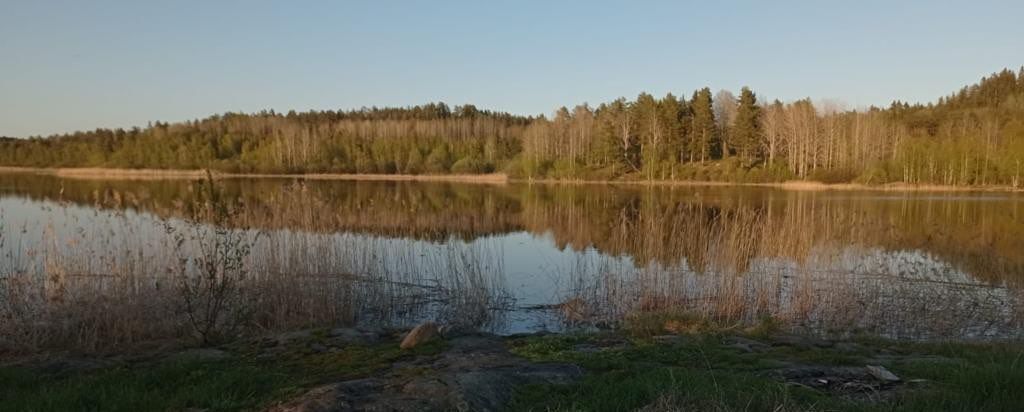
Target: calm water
{"x":905,"y":265}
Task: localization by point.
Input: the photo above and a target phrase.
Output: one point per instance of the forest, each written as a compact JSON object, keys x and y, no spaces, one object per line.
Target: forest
{"x":974,"y":136}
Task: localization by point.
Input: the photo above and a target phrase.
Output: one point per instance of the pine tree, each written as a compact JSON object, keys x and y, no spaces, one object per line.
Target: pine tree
{"x":746,"y":129}
{"x":702,"y":129}
{"x":670,"y":117}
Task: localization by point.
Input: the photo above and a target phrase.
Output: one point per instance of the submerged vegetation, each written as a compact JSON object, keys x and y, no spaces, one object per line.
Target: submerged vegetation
{"x":972,"y":137}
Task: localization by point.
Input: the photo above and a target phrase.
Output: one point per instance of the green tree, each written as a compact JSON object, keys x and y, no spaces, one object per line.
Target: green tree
{"x":414,"y":164}
{"x":746,"y":129}
{"x":703,"y":137}
{"x":439,"y":160}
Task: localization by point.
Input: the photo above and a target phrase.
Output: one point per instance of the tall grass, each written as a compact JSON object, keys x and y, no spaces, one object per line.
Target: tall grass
{"x":112,"y":279}
{"x":126,"y":267}
{"x":739,"y":269}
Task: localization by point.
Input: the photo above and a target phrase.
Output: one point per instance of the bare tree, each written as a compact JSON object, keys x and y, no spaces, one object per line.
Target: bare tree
{"x":724,"y":105}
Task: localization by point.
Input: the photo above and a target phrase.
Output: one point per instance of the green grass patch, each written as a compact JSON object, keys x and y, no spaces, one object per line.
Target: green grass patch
{"x":217,"y":386}
{"x":243,"y":382}
{"x":701,"y":372}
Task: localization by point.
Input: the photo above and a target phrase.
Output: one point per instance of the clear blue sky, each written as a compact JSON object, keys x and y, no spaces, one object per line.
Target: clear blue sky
{"x":85,"y":64}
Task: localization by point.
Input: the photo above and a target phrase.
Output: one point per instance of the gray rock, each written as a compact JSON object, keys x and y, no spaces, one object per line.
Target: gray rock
{"x":848,"y":347}
{"x":476,"y":373}
{"x":426,"y":387}
{"x":289,"y":337}
{"x":200,"y":354}
{"x":742,"y":347}
{"x":801,"y":341}
{"x":755,"y":345}
{"x":882,"y":374}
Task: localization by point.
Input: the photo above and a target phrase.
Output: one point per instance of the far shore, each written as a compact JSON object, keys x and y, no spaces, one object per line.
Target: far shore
{"x":160,"y":174}
{"x":490,"y":178}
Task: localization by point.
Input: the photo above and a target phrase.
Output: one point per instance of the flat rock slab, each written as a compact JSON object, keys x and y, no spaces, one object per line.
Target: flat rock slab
{"x":476,"y":373}
{"x":857,"y":382}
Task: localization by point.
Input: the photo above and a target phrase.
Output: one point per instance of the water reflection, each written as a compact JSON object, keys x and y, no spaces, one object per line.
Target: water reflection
{"x":910,"y":265}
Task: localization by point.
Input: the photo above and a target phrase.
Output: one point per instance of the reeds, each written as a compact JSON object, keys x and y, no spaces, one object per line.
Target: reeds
{"x":116,"y":279}
{"x":115,"y":270}
{"x":742,"y":268}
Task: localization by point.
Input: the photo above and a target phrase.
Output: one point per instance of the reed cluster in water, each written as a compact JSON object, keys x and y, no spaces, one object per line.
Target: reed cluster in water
{"x":122,"y":279}
{"x":741,"y":268}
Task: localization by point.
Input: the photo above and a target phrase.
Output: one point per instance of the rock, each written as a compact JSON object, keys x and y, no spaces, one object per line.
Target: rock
{"x":419,"y":335}
{"x":882,"y":374}
{"x":742,"y":347}
{"x":289,"y":337}
{"x":491,"y":389}
{"x":325,"y":398}
{"x":426,"y":388}
{"x":804,"y":342}
{"x":474,"y":373}
{"x":745,"y":344}
{"x":200,"y":354}
{"x":848,"y":347}
{"x":455,"y":330}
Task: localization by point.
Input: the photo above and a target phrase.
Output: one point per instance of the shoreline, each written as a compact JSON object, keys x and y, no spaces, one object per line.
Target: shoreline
{"x":491,"y":178}
{"x":348,"y":368}
{"x":167,"y":174}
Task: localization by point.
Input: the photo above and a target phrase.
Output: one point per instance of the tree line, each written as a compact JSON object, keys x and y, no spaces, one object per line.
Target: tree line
{"x":972,"y":137}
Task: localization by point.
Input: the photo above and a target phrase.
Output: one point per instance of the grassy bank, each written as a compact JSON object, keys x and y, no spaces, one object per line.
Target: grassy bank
{"x":236,"y":377}
{"x":717,"y":372}
{"x":629,"y":370}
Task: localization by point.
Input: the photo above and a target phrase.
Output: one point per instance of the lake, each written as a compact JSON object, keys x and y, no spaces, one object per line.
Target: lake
{"x":507,"y":258}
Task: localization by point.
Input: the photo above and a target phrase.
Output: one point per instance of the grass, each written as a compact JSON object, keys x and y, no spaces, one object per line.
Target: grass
{"x":697,"y":372}
{"x":245,"y":381}
{"x":215,"y":386}
{"x":701,"y":372}
{"x":691,"y":371}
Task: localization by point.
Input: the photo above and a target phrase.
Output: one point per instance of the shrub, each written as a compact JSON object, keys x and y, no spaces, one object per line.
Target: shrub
{"x":212,"y":269}
{"x":469,"y":165}
{"x":439,"y":160}
{"x":873,"y":176}
{"x":832,"y":175}
{"x":414,"y":165}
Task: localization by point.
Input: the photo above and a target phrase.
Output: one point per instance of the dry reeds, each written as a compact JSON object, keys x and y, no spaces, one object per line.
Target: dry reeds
{"x":117,"y":279}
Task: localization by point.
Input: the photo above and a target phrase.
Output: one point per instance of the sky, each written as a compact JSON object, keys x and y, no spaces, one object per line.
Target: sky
{"x":77,"y":65}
